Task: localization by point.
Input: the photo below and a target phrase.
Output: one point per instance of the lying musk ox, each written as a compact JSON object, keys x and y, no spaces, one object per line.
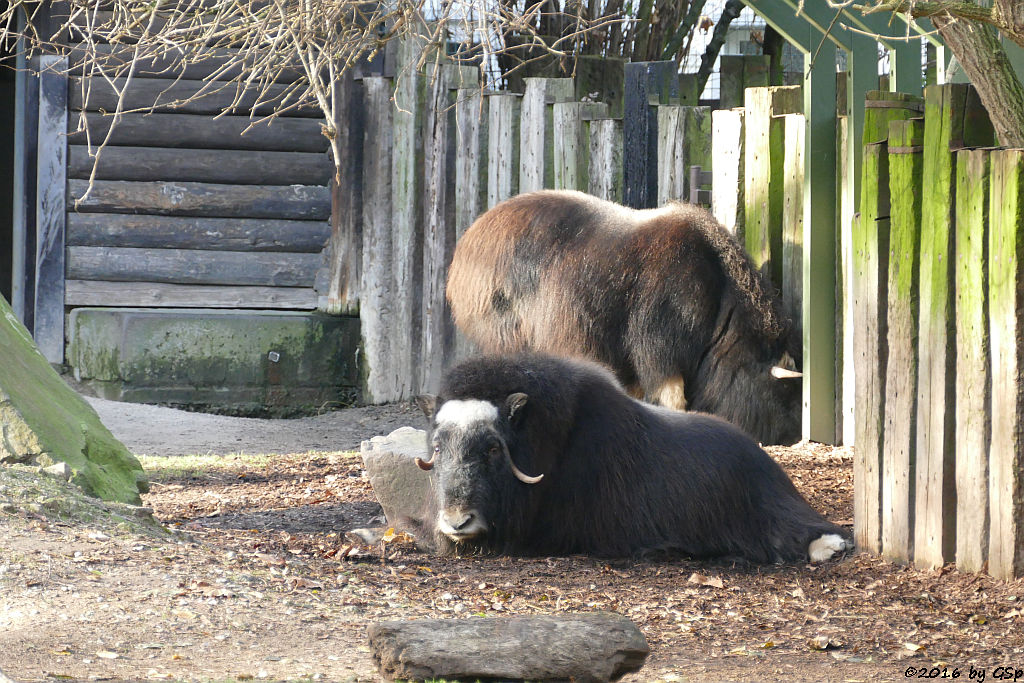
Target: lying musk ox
{"x":666,"y":297}
{"x":540,"y":455}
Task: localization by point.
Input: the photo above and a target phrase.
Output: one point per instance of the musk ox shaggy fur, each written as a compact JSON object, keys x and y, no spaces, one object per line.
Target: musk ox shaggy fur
{"x":542,"y":455}
{"x":665,"y":297}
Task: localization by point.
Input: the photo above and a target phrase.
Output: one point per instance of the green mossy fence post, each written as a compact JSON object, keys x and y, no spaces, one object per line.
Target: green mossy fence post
{"x":871,"y":248}
{"x":951,"y":115}
{"x":684,"y":140}
{"x":906,"y":165}
{"x":870,"y":275}
{"x":1006,"y":318}
{"x":764,"y":150}
{"x":739,"y":72}
{"x":973,"y":378}
{"x":794,"y":126}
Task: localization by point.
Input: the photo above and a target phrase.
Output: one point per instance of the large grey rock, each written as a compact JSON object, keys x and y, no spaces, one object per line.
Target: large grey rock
{"x":400,"y":486}
{"x":599,"y":646}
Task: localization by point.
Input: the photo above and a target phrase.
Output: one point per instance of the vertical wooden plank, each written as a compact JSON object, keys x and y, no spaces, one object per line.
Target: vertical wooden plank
{"x":739,"y":72}
{"x":946,"y":112}
{"x":51,"y":189}
{"x":26,"y":136}
{"x":763,"y":168}
{"x":973,"y":381}
{"x":345,"y":245}
{"x":671,"y":156}
{"x":820,"y":267}
{"x":794,"y":126}
{"x":376,"y":287}
{"x":536,"y":152}
{"x":727,"y":168}
{"x":1006,"y":334}
{"x":438,"y":228}
{"x":870,"y":248}
{"x":906,"y":166}
{"x":406,"y":184}
{"x":502,"y":147}
{"x":470,"y":177}
{"x":606,"y":159}
{"x":571,"y":148}
{"x":647,"y":84}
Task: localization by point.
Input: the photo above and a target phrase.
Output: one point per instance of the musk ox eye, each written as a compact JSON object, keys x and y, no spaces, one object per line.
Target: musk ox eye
{"x":494,"y":450}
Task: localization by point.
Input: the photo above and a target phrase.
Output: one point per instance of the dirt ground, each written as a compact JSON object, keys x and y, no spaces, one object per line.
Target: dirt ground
{"x":258,"y":581}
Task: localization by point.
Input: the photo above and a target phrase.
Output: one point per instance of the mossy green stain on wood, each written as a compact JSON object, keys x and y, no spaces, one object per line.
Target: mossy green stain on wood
{"x":43,"y":421}
{"x":899,"y":440}
{"x":973,"y":377}
{"x":1006,"y":315}
{"x":899,"y":106}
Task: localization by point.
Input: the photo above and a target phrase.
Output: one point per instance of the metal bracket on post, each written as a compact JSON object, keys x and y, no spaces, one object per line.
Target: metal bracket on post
{"x":698,"y":179}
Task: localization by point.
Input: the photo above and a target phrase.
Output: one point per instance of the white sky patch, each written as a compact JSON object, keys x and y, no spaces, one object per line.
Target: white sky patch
{"x":465,"y":413}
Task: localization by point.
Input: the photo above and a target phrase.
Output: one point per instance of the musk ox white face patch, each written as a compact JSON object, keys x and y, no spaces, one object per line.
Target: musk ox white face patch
{"x":826,"y":546}
{"x":463,"y":414}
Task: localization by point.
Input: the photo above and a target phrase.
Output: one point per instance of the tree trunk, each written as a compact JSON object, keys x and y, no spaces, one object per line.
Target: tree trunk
{"x":731,"y":10}
{"x":976,"y":46}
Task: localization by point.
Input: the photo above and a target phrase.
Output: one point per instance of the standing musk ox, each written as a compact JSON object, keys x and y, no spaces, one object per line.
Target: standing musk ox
{"x":541,"y":455}
{"x":665,"y":297}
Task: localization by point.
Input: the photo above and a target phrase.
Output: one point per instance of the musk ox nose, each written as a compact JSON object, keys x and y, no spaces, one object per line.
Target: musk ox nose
{"x":461,"y":524}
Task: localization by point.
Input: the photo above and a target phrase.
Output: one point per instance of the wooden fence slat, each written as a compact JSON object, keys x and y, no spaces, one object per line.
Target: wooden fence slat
{"x":763,"y":170}
{"x":947,"y":109}
{"x":471,"y":140}
{"x":180,"y":96}
{"x":503,"y":135}
{"x":792,"y":255}
{"x":646,"y":84}
{"x":684,"y":140}
{"x":727,"y":167}
{"x":241,"y":167}
{"x":870,"y":348}
{"x":196,"y":131}
{"x":299,"y":202}
{"x":739,"y":72}
{"x":906,"y":165}
{"x":377,"y":295}
{"x":536,"y":152}
{"x":973,"y":381}
{"x":572,"y":123}
{"x":1006,"y":334}
{"x":606,"y":159}
{"x":193,"y":232}
{"x":346,"y":226}
{"x":407,"y":206}
{"x":50,"y":200}
{"x":152,"y":294}
{"x":189,"y":266}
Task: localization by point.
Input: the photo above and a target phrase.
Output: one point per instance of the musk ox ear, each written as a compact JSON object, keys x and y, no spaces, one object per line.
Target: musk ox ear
{"x":428,"y":404}
{"x":514,"y":405}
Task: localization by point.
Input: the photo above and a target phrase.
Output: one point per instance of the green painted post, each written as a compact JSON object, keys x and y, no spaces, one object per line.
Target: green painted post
{"x":951,"y":115}
{"x":820,"y":267}
{"x":870,"y":236}
{"x":973,"y":378}
{"x":899,"y":440}
{"x":1006,"y":318}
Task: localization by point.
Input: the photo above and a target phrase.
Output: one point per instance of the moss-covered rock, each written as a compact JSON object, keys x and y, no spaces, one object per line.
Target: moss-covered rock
{"x":43,"y":422}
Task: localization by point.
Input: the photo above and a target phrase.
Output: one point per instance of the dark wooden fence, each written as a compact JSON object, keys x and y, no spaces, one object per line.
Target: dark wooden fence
{"x":939,"y":336}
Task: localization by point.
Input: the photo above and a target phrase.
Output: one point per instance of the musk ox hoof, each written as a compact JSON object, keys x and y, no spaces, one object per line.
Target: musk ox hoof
{"x":826,"y":546}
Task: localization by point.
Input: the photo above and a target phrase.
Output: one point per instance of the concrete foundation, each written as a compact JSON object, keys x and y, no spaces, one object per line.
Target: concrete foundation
{"x":259,"y":363}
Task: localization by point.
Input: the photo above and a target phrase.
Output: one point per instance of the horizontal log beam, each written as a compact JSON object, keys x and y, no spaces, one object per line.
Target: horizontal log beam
{"x":283,"y":134}
{"x":194,"y":232}
{"x":149,"y":294}
{"x":239,"y":167}
{"x":298,"y":202}
{"x":187,"y":266}
{"x":186,"y":96}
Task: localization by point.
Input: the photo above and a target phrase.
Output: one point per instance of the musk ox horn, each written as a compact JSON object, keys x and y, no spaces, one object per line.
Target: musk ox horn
{"x":525,"y":478}
{"x":779,"y":372}
{"x":425,"y":465}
